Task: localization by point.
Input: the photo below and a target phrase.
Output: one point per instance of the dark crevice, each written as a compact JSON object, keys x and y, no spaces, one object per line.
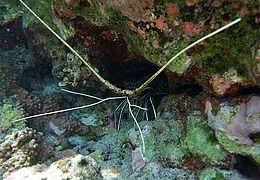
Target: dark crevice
{"x":255,"y":137}
{"x":250,"y":90}
{"x":12,"y":35}
{"x":247,"y":167}
{"x":39,"y":73}
{"x":134,"y":73}
{"x":188,"y":89}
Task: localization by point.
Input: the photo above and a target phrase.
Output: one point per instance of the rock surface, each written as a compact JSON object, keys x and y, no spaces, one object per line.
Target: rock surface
{"x":77,"y":167}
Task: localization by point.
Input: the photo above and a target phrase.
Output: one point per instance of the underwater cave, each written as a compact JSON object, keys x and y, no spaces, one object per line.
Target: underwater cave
{"x":198,"y":119}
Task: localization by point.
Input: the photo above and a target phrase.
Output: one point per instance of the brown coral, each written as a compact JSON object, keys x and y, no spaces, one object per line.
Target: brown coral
{"x":20,"y":149}
{"x":35,"y":105}
{"x":9,"y":81}
{"x":192,"y":2}
{"x":219,"y":84}
{"x":82,"y":129}
{"x":32,"y":104}
{"x":161,"y":23}
{"x":192,"y":29}
{"x":173,"y":10}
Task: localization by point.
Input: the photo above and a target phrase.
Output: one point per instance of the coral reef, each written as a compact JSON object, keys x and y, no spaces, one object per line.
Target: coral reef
{"x":9,"y":80}
{"x":76,"y":167}
{"x":31,"y":104}
{"x":206,"y":128}
{"x":177,"y":142}
{"x":8,"y":113}
{"x":200,"y":141}
{"x":211,"y":173}
{"x":162,"y":133}
{"x":235,"y":125}
{"x":82,"y":129}
{"x":170,"y":26}
{"x":71,"y":72}
{"x":20,"y":149}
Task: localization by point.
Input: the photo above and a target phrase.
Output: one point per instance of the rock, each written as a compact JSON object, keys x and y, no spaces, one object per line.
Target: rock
{"x":138,"y":161}
{"x":20,"y":149}
{"x":235,"y":126}
{"x":211,"y":173}
{"x":136,"y":10}
{"x":155,"y":171}
{"x":163,"y":134}
{"x":76,"y":168}
{"x":200,"y":142}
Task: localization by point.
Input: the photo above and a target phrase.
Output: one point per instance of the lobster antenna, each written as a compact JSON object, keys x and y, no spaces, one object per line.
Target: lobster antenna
{"x":138,"y":90}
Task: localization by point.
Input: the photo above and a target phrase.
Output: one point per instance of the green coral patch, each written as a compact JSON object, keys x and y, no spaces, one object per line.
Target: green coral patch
{"x":229,"y":49}
{"x":8,"y":113}
{"x":233,"y":147}
{"x":9,"y":10}
{"x":211,"y":174}
{"x":163,"y":134}
{"x":200,"y":142}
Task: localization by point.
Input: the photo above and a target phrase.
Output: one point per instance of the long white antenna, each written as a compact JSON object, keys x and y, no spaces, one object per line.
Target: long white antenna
{"x":112,"y":87}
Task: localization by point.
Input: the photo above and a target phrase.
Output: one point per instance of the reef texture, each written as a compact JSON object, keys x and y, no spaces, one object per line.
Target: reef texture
{"x":207,"y":127}
{"x":236,"y":125}
{"x":151,"y":29}
{"x":8,"y":113}
{"x":77,"y":167}
{"x":20,"y":149}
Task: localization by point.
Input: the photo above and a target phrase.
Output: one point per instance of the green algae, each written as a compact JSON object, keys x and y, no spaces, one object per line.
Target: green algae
{"x":229,"y":49}
{"x":169,"y":141}
{"x":200,"y":142}
{"x":165,"y":135}
{"x":97,"y":155}
{"x":233,"y":147}
{"x":9,"y":10}
{"x":197,"y":139}
{"x":8,"y":113}
{"x":211,"y":174}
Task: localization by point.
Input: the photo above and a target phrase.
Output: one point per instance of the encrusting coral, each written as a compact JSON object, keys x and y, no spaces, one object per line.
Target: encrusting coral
{"x":75,"y":167}
{"x":71,"y":72}
{"x":20,"y":149}
{"x":177,"y":141}
{"x":235,"y":125}
{"x":8,"y":113}
{"x":182,"y":142}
